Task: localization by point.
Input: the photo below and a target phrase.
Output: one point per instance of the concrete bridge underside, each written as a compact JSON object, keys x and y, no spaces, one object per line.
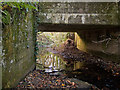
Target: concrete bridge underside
{"x":97,"y":25}
{"x":46,"y":27}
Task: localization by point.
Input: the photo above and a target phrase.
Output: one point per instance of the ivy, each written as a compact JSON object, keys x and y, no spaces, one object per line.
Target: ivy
{"x":21,"y":6}
{"x":7,"y":18}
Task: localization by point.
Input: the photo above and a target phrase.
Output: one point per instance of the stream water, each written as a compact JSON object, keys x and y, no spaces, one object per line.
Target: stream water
{"x":52,"y":63}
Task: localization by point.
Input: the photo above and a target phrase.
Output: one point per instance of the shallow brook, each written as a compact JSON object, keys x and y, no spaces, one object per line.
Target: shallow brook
{"x":91,"y":73}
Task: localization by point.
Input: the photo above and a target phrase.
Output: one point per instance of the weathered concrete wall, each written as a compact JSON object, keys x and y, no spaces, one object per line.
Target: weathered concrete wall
{"x":18,"y":48}
{"x":79,"y":12}
{"x":0,"y":54}
{"x":104,"y":43}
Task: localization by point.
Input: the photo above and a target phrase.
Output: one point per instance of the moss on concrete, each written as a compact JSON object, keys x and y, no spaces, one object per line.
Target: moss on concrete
{"x":18,"y":49}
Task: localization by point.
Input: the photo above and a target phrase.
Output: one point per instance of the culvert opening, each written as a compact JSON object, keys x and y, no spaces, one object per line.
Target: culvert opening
{"x":51,"y":45}
{"x":59,"y":54}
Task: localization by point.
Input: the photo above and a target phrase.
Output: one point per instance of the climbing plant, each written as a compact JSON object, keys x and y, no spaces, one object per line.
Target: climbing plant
{"x":7,"y":9}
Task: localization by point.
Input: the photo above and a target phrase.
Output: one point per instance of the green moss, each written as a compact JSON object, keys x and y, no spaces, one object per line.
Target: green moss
{"x":18,"y":59}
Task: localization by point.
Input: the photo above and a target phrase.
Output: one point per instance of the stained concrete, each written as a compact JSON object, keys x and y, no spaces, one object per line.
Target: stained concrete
{"x":18,"y":49}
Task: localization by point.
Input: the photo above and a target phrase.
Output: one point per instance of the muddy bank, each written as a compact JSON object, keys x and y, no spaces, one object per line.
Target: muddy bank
{"x":70,"y":53}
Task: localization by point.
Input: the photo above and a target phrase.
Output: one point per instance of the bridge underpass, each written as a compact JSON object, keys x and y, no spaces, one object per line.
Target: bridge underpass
{"x":91,"y":33}
{"x":95,"y":24}
{"x":93,"y":39}
{"x":98,"y":30}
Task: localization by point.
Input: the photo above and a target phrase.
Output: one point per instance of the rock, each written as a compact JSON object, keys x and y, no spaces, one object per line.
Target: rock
{"x":82,"y":84}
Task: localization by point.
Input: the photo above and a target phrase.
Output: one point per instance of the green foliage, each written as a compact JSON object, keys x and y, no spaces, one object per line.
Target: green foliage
{"x":21,"y":6}
{"x":51,"y":39}
{"x":6,"y":19}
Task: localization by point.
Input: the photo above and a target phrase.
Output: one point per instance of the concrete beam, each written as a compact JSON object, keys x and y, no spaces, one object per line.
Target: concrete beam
{"x":79,"y":13}
{"x":45,"y":27}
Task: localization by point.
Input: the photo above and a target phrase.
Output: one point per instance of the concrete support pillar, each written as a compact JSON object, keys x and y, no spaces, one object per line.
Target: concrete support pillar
{"x":119,"y":45}
{"x":0,"y":53}
{"x":80,"y":43}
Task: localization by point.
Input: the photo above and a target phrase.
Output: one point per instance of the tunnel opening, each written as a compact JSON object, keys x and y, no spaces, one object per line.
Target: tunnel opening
{"x":54,"y":58}
{"x":51,"y":42}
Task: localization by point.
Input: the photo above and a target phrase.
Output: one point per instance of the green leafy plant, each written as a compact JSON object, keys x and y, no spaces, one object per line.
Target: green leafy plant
{"x":6,"y":19}
{"x":21,"y":6}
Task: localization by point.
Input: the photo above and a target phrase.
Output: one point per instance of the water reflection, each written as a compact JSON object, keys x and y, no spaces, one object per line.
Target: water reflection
{"x":50,"y":62}
{"x":90,"y":73}
{"x":53,"y":62}
{"x":78,"y":65}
